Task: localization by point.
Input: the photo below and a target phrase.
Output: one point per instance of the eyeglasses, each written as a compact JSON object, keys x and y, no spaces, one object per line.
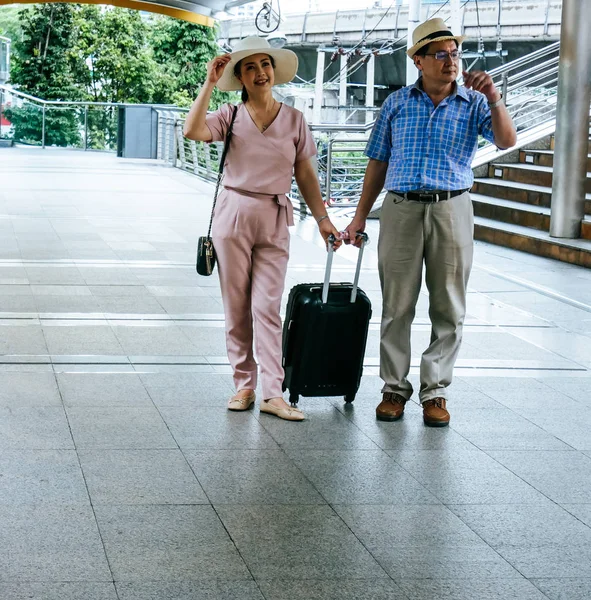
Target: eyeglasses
{"x":442,"y":56}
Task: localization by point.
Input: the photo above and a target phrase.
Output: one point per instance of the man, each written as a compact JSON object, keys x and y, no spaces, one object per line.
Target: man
{"x":420,"y":150}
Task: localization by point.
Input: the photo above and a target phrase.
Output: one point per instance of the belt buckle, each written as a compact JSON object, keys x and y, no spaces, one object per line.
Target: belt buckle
{"x":425,"y":197}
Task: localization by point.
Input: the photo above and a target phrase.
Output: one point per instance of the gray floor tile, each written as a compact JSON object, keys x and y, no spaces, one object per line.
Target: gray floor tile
{"x":51,"y":544}
{"x":103,"y":389}
{"x":522,"y":525}
{"x":118,"y":428}
{"x":168,"y":543}
{"x":67,"y":304}
{"x":28,"y":389}
{"x":186,"y":590}
{"x":570,"y":425}
{"x":35,"y":428}
{"x":155,"y":341}
{"x":118,"y":291}
{"x":576,"y":388}
{"x":564,"y":477}
{"x":191,"y":304}
{"x":207,"y":340}
{"x":26,"y":339}
{"x":301,"y":542}
{"x":140,"y":477}
{"x":82,"y":339}
{"x":129,"y":305}
{"x":41,"y":477}
{"x":503,"y":429}
{"x":423,"y":542}
{"x":188,"y":389}
{"x":324,"y":428}
{"x":360,"y":477}
{"x":541,"y":541}
{"x":333,"y":589}
{"x":466,"y":477}
{"x":565,"y":589}
{"x":251,"y":477}
{"x":207,"y":427}
{"x":16,"y":303}
{"x":470,"y":588}
{"x":581,"y":511}
{"x":107,"y":276}
{"x":54,"y":275}
{"x":81,"y":590}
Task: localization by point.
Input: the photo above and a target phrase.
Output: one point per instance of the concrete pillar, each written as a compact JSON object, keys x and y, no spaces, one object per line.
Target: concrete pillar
{"x":370,"y":89}
{"x":343,"y":77}
{"x":414,"y":19}
{"x":319,"y":88}
{"x":572,"y":120}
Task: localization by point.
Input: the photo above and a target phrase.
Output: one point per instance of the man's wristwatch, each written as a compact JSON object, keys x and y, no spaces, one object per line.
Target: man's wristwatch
{"x":499,"y":102}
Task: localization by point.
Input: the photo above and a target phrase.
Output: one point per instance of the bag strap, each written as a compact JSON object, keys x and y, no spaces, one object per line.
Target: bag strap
{"x":221,"y":169}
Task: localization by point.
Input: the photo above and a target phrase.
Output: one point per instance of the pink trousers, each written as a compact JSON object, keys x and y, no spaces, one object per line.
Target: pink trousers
{"x":251,"y":241}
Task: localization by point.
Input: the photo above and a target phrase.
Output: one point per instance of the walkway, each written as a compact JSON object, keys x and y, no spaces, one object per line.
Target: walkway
{"x":122,"y":475}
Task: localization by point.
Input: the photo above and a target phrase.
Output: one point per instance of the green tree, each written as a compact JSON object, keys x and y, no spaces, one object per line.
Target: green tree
{"x":10,"y":22}
{"x":183,"y":49}
{"x":115,"y":45}
{"x":43,"y":63}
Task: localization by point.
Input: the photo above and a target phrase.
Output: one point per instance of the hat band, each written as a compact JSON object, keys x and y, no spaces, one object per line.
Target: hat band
{"x":437,"y":34}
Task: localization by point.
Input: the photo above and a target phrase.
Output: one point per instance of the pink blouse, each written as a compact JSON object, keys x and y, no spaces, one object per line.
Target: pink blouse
{"x":262,"y":162}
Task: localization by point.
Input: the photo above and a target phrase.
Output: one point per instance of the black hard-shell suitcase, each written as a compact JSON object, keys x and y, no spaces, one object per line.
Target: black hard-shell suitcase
{"x":324,"y":336}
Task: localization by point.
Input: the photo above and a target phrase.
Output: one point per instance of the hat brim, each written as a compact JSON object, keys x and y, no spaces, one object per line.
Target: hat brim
{"x":286,"y":67}
{"x":459,"y":39}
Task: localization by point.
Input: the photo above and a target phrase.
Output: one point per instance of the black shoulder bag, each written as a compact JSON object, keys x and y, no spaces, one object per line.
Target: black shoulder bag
{"x":205,"y":251}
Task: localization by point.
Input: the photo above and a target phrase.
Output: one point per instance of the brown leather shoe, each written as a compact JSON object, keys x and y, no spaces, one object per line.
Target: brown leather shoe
{"x":434,"y":413}
{"x":391,"y":408}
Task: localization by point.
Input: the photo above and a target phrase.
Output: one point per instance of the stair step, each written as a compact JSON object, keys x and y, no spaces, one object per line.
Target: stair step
{"x":527,"y":193}
{"x":543,"y":158}
{"x":508,"y":211}
{"x":522,"y":173}
{"x":586,"y":228}
{"x":533,"y":241}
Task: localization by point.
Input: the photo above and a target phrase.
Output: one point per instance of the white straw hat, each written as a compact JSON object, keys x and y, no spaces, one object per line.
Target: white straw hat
{"x":433,"y":30}
{"x":286,"y":62}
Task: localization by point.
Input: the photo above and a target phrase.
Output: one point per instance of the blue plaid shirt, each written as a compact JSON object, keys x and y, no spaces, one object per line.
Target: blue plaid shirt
{"x":428,"y":147}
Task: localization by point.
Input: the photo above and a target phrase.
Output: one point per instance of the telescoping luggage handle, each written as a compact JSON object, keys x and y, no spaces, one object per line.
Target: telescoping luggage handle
{"x":325,"y":287}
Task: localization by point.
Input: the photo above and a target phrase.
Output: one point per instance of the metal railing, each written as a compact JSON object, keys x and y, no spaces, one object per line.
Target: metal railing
{"x":38,"y":122}
{"x":529,"y":85}
{"x":83,"y":125}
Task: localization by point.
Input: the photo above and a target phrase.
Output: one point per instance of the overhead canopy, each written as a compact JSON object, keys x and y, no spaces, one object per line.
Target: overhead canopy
{"x":201,"y":12}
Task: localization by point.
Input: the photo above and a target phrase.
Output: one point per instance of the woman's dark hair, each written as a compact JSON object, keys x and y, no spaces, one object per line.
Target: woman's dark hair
{"x":237,"y":68}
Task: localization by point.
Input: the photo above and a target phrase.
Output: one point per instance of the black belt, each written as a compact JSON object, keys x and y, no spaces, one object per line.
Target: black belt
{"x":431,"y":196}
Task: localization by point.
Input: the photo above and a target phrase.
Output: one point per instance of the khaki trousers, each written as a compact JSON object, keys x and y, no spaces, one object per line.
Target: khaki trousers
{"x":440,"y":235}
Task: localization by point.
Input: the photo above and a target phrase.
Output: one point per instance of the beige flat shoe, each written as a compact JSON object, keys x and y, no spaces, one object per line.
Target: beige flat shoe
{"x":288,"y":414}
{"x":242,"y":402}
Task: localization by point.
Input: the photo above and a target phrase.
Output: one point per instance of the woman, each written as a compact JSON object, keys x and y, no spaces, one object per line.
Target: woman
{"x":270,"y":142}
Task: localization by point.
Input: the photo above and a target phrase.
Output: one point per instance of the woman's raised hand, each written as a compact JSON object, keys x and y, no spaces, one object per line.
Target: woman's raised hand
{"x":216,"y":66}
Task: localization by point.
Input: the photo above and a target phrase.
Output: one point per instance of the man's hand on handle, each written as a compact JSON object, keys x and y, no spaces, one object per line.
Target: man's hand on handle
{"x":349,"y":235}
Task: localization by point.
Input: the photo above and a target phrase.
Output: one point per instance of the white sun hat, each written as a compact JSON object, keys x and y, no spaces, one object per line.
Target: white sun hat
{"x":433,"y":30}
{"x":286,"y":62}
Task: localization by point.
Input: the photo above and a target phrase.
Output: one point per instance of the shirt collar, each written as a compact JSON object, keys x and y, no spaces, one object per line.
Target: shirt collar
{"x":459,"y":90}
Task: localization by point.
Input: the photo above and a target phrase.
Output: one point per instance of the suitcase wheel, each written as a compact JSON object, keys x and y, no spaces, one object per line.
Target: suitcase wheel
{"x":293,"y":399}
{"x":349,"y":398}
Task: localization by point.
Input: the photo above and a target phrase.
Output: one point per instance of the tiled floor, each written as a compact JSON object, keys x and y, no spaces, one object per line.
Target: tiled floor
{"x":123,"y":476}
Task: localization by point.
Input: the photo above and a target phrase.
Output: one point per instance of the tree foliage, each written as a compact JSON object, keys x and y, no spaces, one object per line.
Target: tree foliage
{"x":74,"y":52}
